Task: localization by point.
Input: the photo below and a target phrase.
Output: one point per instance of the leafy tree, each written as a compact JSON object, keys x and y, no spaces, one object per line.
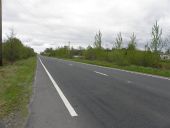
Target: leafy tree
{"x":119,"y":41}
{"x":156,"y":44}
{"x":48,"y":50}
{"x":168,"y":51}
{"x":13,"y":49}
{"x":167,"y":43}
{"x":120,"y":56}
{"x":98,"y":40}
{"x":132,"y":43}
{"x":89,"y":53}
{"x":147,"y":48}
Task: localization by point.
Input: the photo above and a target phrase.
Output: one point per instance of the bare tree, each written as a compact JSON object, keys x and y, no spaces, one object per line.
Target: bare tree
{"x":119,"y":41}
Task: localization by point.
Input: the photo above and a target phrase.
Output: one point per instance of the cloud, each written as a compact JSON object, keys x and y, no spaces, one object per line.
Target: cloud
{"x":44,"y":23}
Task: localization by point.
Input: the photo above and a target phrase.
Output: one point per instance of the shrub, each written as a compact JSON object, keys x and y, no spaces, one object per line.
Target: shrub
{"x":13,"y":50}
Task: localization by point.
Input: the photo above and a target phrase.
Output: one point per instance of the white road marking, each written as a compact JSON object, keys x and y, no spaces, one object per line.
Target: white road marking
{"x":132,"y":72}
{"x":66,"y":102}
{"x":101,"y":73}
{"x":71,"y":64}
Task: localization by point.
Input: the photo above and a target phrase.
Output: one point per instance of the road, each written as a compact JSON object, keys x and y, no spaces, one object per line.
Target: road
{"x":74,"y":95}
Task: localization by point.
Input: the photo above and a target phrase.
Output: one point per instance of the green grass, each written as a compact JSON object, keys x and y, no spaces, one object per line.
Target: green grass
{"x":16,"y":86}
{"x":148,"y":70}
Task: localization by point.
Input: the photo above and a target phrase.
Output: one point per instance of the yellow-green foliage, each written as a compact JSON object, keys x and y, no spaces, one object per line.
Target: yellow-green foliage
{"x":13,"y":50}
{"x":122,"y":57}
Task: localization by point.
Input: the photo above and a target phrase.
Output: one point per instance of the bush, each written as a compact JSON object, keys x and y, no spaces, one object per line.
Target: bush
{"x":121,"y":57}
{"x":118,"y":57}
{"x":13,"y":50}
{"x":143,"y":58}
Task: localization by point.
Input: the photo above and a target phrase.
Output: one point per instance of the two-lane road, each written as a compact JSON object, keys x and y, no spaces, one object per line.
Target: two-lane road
{"x":73,"y":95}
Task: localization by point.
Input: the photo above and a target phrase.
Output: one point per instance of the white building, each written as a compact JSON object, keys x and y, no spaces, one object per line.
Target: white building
{"x":165,"y":56}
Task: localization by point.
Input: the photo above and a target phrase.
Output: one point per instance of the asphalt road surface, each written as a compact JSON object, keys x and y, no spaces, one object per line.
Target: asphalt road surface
{"x":73,"y":95}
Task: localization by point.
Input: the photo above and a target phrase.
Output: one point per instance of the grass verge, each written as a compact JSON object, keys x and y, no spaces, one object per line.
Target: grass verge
{"x":147,"y":70}
{"x":16,"y":87}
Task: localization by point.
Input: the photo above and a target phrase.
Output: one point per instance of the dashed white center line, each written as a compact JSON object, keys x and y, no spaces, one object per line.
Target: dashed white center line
{"x":66,"y":102}
{"x":101,"y":73}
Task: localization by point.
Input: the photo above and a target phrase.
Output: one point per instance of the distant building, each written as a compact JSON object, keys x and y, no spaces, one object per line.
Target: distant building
{"x":77,"y":56}
{"x":165,"y":56}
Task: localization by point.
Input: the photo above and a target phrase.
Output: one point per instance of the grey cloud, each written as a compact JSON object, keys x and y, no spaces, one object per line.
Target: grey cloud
{"x":44,"y":23}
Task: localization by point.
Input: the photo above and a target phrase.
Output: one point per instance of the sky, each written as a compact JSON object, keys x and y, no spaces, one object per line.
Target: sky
{"x":52,"y":23}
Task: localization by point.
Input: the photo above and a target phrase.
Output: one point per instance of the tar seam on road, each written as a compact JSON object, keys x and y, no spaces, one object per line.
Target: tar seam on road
{"x":101,"y":73}
{"x":66,"y":102}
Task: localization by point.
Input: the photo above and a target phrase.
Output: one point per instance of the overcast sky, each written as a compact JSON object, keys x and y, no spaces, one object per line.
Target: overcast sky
{"x":52,"y":23}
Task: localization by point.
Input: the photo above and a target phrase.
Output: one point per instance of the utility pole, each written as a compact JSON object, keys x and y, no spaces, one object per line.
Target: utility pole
{"x":1,"y":63}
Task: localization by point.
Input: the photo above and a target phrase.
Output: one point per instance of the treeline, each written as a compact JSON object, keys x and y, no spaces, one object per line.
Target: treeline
{"x":150,"y":57}
{"x":13,"y":50}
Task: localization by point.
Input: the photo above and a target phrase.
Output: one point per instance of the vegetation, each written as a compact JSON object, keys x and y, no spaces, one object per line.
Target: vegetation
{"x":167,"y":45}
{"x":119,"y":41}
{"x":98,"y":40}
{"x":16,"y":78}
{"x":16,"y":87}
{"x":157,"y":43}
{"x":149,"y":70}
{"x":14,"y":50}
{"x":125,"y":58}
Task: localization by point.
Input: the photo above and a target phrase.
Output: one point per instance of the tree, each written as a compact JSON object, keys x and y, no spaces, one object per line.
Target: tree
{"x":13,"y":49}
{"x":168,"y":51}
{"x":167,"y":44}
{"x":156,"y":44}
{"x":132,"y":42}
{"x":98,"y":40}
{"x":89,"y":53}
{"x":119,"y":41}
{"x":147,"y":48}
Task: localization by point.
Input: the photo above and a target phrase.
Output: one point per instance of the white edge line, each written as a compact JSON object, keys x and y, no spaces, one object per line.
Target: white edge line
{"x":100,"y":73}
{"x":66,"y":102}
{"x":132,"y":72}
